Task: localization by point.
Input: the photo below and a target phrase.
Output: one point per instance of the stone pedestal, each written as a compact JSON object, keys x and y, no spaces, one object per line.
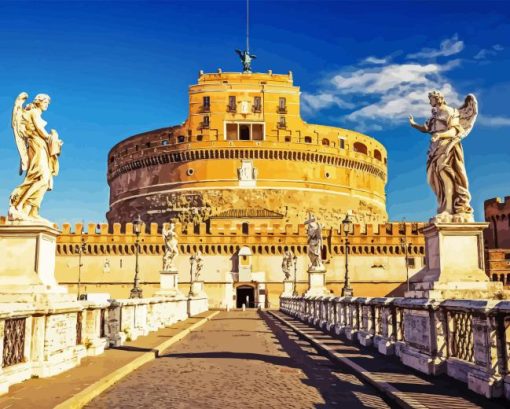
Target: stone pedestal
{"x":27,"y":269}
{"x":169,"y":283}
{"x":197,"y":289}
{"x":454,"y":264}
{"x":288,"y":288}
{"x":316,"y":283}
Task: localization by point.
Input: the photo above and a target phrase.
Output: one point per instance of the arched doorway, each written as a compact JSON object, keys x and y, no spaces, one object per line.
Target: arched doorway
{"x":245,"y":295}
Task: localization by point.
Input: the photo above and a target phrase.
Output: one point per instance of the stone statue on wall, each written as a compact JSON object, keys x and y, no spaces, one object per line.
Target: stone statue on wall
{"x":171,"y":247}
{"x":314,"y":232}
{"x":446,"y":172}
{"x":199,"y":264}
{"x":39,"y":151}
{"x":287,"y":263}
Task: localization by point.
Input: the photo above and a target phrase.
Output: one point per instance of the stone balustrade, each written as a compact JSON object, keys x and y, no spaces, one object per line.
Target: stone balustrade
{"x":44,"y":340}
{"x":467,"y":339}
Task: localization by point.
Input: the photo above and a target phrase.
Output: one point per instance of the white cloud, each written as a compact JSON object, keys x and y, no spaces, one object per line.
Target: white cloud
{"x":371,"y":97}
{"x":383,"y":94}
{"x":485,"y":53}
{"x":312,"y":103}
{"x":449,"y":46}
{"x":375,"y":60}
{"x":493,"y":121}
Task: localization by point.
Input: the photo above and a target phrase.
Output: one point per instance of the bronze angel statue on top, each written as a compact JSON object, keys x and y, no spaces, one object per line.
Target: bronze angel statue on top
{"x":39,"y":151}
{"x":446,"y":172}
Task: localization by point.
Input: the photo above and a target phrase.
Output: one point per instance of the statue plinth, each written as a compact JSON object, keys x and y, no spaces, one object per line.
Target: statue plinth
{"x":288,"y":288}
{"x":27,"y":266}
{"x":197,"y":289}
{"x":455,"y":267}
{"x":316,"y":282}
{"x":169,"y":283}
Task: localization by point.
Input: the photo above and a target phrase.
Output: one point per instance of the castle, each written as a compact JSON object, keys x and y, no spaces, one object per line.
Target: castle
{"x":245,"y":155}
{"x":239,"y":177}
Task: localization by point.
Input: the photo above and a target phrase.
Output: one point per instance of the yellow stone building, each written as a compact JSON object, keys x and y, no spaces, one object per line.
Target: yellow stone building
{"x":245,"y":154}
{"x":239,"y":176}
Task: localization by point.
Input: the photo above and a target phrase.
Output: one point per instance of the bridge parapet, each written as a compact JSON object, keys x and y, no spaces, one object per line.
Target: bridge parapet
{"x":466,"y":339}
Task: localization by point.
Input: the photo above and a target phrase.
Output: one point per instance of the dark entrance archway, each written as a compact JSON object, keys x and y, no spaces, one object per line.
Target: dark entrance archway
{"x":245,"y":295}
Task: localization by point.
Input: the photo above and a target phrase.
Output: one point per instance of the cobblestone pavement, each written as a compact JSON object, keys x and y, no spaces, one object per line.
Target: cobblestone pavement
{"x":240,"y":360}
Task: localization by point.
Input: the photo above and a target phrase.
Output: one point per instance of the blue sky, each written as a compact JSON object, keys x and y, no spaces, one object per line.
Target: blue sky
{"x":114,"y":69}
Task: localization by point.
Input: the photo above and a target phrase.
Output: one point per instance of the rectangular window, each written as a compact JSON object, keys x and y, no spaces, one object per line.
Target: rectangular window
{"x":231,"y":132}
{"x":232,"y":105}
{"x":282,"y":107}
{"x":341,"y":143}
{"x":205,"y":124}
{"x":257,"y":104}
{"x":206,"y":104}
{"x":410,"y":262}
{"x":257,"y":132}
{"x":281,"y":122}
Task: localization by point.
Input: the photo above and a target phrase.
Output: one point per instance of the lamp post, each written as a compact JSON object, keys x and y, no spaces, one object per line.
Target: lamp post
{"x":136,"y":291}
{"x":403,"y":244}
{"x":347,"y":227}
{"x":81,"y":249}
{"x":294,"y":259}
{"x":192,"y":260}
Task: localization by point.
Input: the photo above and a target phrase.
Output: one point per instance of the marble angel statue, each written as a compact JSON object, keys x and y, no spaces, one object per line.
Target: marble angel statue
{"x":287,"y":262}
{"x":171,"y":247}
{"x":446,"y":172}
{"x":314,"y":233}
{"x":39,"y":151}
{"x":199,"y":264}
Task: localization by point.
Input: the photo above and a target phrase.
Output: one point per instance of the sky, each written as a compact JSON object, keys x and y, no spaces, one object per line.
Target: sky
{"x":114,"y":69}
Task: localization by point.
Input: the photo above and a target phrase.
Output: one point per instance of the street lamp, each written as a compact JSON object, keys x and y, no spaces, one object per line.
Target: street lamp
{"x":294,"y":259}
{"x":192,"y":260}
{"x":136,"y":291}
{"x":81,"y":249}
{"x":348,"y":228}
{"x":403,"y":244}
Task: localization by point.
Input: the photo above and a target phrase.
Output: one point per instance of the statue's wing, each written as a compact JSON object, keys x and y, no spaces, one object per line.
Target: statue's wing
{"x":468,"y":113}
{"x":240,"y":53}
{"x":19,"y":131}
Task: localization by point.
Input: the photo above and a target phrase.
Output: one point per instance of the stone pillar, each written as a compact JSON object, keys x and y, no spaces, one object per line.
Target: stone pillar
{"x":316,"y":283}
{"x":288,"y":288}
{"x":454,"y":264}
{"x":27,"y":269}
{"x":169,"y":284}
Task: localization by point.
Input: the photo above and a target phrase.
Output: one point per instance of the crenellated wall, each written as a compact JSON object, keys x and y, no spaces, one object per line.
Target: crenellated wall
{"x":376,"y":263}
{"x":497,"y":213}
{"x":497,"y":239}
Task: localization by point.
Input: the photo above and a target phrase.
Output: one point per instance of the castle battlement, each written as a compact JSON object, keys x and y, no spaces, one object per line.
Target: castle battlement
{"x":227,"y":239}
{"x":496,"y":206}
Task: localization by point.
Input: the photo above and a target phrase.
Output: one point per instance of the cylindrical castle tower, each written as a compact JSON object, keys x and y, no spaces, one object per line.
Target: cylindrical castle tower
{"x":244,"y":153}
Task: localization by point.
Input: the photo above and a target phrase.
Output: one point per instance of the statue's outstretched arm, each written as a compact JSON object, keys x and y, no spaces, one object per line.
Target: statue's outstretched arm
{"x":422,"y":128}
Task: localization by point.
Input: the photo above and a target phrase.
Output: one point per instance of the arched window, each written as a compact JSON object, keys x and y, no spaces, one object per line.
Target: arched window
{"x":360,"y":148}
{"x":377,"y":155}
{"x":325,"y":142}
{"x":308,"y":139}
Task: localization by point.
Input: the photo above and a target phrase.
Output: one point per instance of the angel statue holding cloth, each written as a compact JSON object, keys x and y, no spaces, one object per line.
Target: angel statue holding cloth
{"x":446,"y":172}
{"x":39,"y":151}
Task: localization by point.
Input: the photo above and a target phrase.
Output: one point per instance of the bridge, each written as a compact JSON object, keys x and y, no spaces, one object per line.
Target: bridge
{"x":252,"y":359}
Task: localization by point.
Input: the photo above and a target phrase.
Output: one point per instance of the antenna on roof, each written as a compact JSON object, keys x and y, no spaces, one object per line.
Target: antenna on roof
{"x":248,"y":26}
{"x":245,"y":55}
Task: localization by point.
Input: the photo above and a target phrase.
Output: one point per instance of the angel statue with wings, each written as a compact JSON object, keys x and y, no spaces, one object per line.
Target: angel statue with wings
{"x":314,"y":232}
{"x":246,"y":59}
{"x":446,"y":172}
{"x":39,"y":151}
{"x":171,"y":247}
